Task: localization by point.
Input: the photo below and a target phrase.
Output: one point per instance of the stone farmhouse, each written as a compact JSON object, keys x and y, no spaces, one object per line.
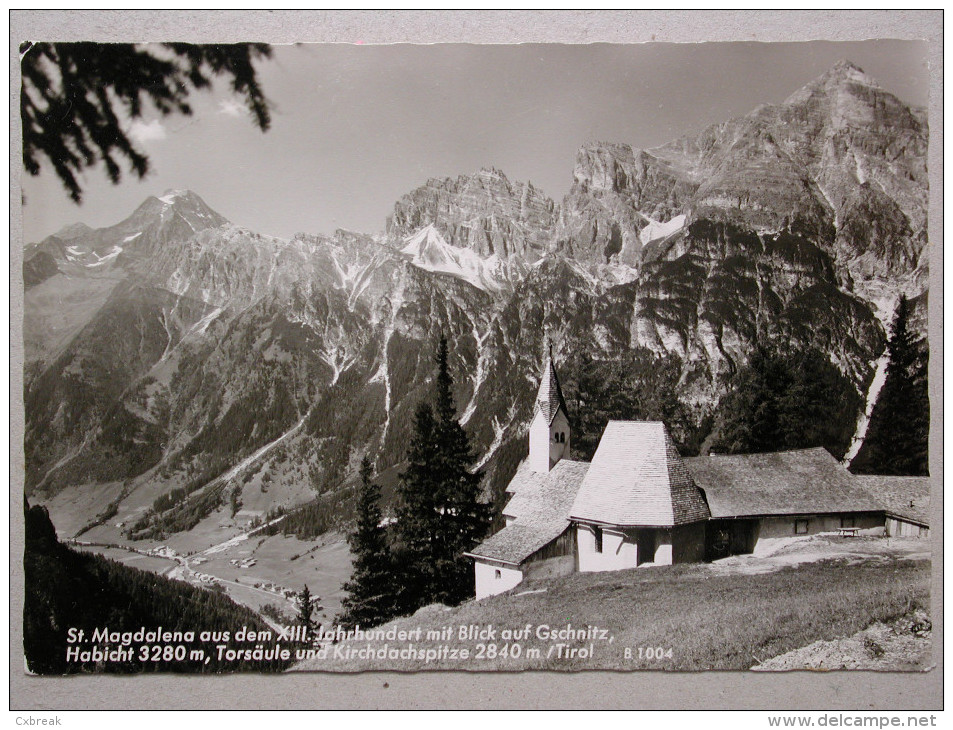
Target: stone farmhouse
{"x":638,"y":502}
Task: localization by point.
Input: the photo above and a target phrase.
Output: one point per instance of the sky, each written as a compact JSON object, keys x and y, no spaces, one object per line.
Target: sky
{"x":354,"y":127}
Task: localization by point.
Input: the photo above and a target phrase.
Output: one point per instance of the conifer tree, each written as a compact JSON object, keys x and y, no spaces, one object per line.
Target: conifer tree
{"x":370,"y":600}
{"x":751,"y":411}
{"x":788,"y":398}
{"x":465,"y":517}
{"x":77,"y":97}
{"x":896,"y":442}
{"x":440,"y":515}
{"x":305,"y":613}
{"x":417,"y":515}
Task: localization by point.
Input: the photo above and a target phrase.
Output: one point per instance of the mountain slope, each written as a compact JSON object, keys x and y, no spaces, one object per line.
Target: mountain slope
{"x":208,"y":359}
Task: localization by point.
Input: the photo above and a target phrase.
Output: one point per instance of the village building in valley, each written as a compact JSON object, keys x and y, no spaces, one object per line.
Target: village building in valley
{"x":638,"y":502}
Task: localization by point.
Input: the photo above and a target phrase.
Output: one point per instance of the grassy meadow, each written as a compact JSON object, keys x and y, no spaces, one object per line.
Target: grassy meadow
{"x":707,"y":621}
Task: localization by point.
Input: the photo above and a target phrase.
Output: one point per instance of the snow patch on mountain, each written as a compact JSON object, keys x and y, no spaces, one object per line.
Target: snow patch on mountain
{"x":428,"y":250}
{"x":863,"y":421}
{"x":170,"y":195}
{"x":113,"y":253}
{"x":133,"y":237}
{"x":656,"y":230}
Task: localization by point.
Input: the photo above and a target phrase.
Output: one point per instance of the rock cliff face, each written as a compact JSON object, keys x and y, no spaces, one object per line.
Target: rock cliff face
{"x":174,"y":347}
{"x":841,"y":162}
{"x":617,"y":193}
{"x":484,"y":212}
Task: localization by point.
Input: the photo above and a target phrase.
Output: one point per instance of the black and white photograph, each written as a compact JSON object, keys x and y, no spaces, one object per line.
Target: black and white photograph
{"x":457,"y":357}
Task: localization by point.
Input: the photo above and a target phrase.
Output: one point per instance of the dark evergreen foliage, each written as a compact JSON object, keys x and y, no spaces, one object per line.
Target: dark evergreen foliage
{"x":440,"y":515}
{"x":74,"y":97}
{"x":897,"y":438}
{"x":787,"y":399}
{"x":417,"y":515}
{"x":371,"y":592}
{"x":68,"y":589}
{"x":638,"y":386}
{"x":305,"y":618}
{"x":314,"y":518}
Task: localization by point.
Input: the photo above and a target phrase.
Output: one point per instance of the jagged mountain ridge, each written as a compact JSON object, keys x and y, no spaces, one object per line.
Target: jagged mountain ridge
{"x":302,"y":355}
{"x":840,"y":159}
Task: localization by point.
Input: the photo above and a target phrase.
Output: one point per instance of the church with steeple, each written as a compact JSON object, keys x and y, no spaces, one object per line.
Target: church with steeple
{"x":639,"y":503}
{"x":537,"y":538}
{"x":549,"y":437}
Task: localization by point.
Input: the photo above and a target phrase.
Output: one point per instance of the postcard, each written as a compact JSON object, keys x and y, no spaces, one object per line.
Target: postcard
{"x":348,"y":358}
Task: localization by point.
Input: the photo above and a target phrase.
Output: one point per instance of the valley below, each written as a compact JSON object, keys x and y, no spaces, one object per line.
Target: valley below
{"x":257,"y":571}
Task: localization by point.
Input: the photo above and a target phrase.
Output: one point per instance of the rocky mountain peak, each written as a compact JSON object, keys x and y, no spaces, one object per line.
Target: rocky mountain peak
{"x":72,"y":230}
{"x":844,"y":83}
{"x":178,"y":341}
{"x":484,"y":212}
{"x":845,"y":71}
{"x":841,"y":159}
{"x":182,"y":202}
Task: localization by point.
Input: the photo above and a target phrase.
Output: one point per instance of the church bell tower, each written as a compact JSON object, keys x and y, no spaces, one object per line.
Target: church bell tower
{"x":549,"y":431}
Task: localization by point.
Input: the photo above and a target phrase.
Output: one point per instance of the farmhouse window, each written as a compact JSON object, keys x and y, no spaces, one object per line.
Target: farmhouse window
{"x":800,"y":527}
{"x":497,"y":574}
{"x":597,"y":534}
{"x":847,"y":522}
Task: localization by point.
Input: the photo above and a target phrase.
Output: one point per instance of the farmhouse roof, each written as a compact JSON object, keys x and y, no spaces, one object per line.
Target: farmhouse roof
{"x":904,"y":497}
{"x":540,"y":505}
{"x":550,"y":396}
{"x":637,"y":478}
{"x":806,"y":481}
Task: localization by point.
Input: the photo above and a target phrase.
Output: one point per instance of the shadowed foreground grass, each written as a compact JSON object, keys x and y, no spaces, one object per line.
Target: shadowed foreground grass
{"x":708,"y":621}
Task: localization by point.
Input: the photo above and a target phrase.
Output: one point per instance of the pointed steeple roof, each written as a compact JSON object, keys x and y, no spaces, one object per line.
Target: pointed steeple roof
{"x":638,"y":479}
{"x":550,"y":399}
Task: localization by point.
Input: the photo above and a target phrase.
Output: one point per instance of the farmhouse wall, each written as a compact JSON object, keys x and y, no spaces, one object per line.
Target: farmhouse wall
{"x":562,"y":546}
{"x":620,"y":548}
{"x":688,"y":543}
{"x":772,"y":529}
{"x":901,"y":528}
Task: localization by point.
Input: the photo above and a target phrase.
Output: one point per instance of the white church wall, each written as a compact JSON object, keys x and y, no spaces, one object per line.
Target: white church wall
{"x":618,"y":552}
{"x":548,"y":443}
{"x":494,"y":578}
{"x":539,"y":444}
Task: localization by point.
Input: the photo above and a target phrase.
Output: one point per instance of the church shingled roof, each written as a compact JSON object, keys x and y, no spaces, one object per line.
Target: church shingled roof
{"x":904,"y":497}
{"x":638,"y":479}
{"x":803,"y":481}
{"x":549,"y":399}
{"x":540,"y":507}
